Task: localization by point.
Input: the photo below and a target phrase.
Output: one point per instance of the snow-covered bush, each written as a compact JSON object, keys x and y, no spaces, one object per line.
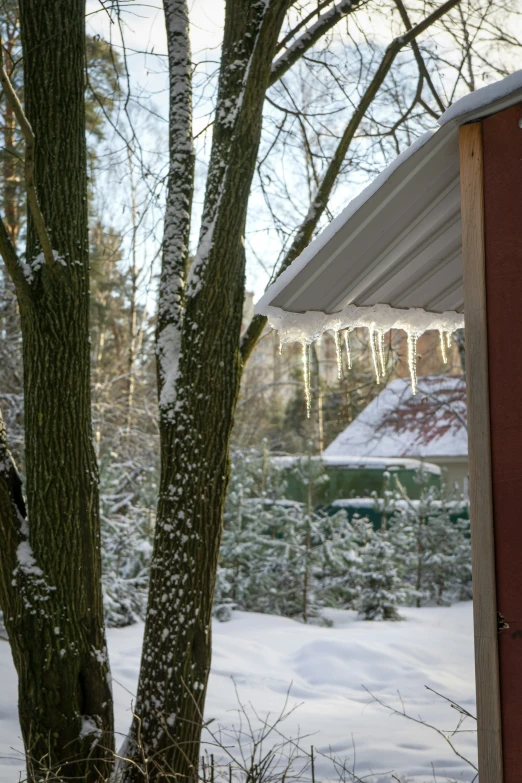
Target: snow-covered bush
{"x":433,"y":550}
{"x":293,"y":559}
{"x":340,"y":582}
{"x":127,"y":523}
{"x":278,"y":556}
{"x":382,"y":589}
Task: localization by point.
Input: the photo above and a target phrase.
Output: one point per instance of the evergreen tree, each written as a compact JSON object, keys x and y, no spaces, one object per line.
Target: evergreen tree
{"x":382,"y":590}
{"x":256,"y":520}
{"x":127,"y":522}
{"x":279,"y":556}
{"x":340,"y":582}
{"x":433,"y":551}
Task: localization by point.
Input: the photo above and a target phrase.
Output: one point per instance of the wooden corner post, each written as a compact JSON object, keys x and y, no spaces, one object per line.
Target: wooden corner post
{"x":480,"y":480}
{"x":491,"y":202}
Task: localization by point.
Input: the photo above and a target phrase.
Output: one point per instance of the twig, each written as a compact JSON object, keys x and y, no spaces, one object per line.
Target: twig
{"x":455,"y":706}
{"x":421,"y":722}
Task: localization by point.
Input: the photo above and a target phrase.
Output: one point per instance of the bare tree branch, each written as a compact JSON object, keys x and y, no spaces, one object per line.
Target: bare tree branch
{"x":12,"y":263}
{"x":311,"y":36}
{"x":418,"y":55}
{"x":28,"y":134}
{"x":304,"y":21}
{"x":319,"y":204}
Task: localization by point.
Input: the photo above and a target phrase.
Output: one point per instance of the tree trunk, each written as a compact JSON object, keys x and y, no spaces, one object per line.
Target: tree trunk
{"x":53,"y":606}
{"x":199,"y":375}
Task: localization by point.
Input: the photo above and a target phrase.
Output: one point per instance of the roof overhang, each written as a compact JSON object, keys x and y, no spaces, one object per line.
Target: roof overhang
{"x":393,"y":257}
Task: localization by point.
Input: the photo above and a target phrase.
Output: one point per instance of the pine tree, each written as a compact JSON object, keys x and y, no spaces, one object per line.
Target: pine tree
{"x":382,"y":589}
{"x":340,"y":582}
{"x":433,"y":552}
{"x":127,"y":524}
{"x":257,"y":520}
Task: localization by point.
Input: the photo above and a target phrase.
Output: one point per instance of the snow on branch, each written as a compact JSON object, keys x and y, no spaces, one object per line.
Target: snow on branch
{"x":237,"y":76}
{"x":179,"y":199}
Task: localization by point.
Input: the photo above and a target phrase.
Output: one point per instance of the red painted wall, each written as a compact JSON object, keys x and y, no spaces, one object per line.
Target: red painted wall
{"x":503,"y":232}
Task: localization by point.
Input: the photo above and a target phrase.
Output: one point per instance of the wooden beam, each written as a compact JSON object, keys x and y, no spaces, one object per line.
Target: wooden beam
{"x":479,"y":437}
{"x":502,"y":146}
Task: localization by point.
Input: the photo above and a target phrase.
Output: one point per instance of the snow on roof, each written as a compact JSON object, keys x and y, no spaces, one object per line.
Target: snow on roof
{"x":358,"y":462}
{"x":397,"y":244}
{"x":432,"y":424}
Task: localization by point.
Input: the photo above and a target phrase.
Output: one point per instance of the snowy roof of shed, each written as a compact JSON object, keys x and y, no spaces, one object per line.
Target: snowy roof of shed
{"x":357,"y":462}
{"x":429,"y":425}
{"x":397,"y":245}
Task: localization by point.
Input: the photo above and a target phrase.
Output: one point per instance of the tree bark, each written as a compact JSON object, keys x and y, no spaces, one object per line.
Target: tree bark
{"x":53,"y":604}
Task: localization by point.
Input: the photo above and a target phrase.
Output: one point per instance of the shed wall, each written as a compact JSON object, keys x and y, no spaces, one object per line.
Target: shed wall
{"x":502,"y":149}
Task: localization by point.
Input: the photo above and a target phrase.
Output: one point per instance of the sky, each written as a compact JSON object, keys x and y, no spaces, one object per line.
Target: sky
{"x":143,"y":28}
{"x":145,"y":39}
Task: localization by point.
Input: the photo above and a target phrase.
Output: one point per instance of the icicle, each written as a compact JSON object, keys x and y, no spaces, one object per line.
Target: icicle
{"x":348,"y":352}
{"x":280,"y":347}
{"x":380,"y":341}
{"x":443,"y":345}
{"x":306,"y":376}
{"x":373,"y":335}
{"x":412,"y":359}
{"x":448,"y":339}
{"x":338,"y":355}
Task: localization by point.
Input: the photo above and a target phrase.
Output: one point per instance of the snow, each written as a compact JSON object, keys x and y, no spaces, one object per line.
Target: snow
{"x":194,"y":280}
{"x":38,"y":262}
{"x":306,"y":327}
{"x":90,"y":729}
{"x":360,"y":462}
{"x":357,"y":503}
{"x":482,"y":97}
{"x":431,"y":424}
{"x":168,"y":350}
{"x":327,"y":669}
{"x":26,"y":560}
{"x":378,"y":319}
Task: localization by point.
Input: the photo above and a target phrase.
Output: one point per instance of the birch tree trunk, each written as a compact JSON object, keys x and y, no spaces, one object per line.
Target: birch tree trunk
{"x":50,"y":585}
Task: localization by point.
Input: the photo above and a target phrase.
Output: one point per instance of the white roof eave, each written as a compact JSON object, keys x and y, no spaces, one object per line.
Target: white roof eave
{"x":360,"y":221}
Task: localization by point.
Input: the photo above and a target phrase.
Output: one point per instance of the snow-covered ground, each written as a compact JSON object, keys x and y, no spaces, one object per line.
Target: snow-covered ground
{"x":326,"y":668}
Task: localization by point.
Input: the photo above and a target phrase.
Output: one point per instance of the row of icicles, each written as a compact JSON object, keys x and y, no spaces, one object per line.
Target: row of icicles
{"x":377,"y":348}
